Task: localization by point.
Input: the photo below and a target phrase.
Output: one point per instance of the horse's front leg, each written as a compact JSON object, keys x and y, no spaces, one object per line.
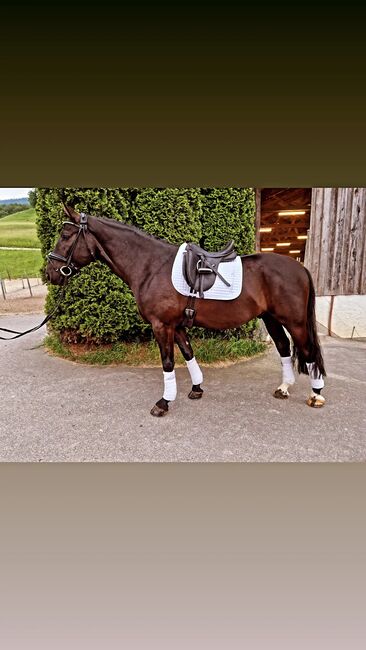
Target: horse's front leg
{"x":165,"y":339}
{"x":195,"y":372}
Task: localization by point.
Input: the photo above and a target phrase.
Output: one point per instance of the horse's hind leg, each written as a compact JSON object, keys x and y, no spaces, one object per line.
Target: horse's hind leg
{"x":282,"y":343}
{"x":181,"y":338}
{"x":165,"y":338}
{"x":310,"y":362}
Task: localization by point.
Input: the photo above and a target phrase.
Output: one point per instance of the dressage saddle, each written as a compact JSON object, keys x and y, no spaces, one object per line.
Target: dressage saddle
{"x":200,"y":268}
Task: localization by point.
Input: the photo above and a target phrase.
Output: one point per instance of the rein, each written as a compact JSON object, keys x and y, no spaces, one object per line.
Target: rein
{"x":67,"y":271}
{"x":33,"y":329}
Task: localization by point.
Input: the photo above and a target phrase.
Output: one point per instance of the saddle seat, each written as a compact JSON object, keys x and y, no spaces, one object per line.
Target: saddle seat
{"x":200,"y":268}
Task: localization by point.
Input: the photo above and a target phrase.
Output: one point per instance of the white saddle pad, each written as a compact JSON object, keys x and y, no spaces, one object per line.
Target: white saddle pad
{"x":231,"y":271}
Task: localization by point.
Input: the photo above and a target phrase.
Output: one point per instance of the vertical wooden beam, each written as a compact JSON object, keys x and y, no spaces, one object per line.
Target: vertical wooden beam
{"x":316,"y":221}
{"x":309,"y":248}
{"x":347,"y":222}
{"x":362,"y":278}
{"x":257,"y":219}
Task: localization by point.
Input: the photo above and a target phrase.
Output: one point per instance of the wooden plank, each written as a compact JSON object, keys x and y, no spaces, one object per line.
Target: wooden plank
{"x":354,"y":243}
{"x":316,"y":223}
{"x":329,"y":287}
{"x":362,"y":277}
{"x":309,"y":246}
{"x":343,"y":284}
{"x":257,"y":219}
{"x":324,"y":259}
{"x":338,"y":240}
{"x":359,"y":239}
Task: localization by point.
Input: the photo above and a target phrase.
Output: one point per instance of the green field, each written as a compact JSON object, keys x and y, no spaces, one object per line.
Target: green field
{"x":19,"y":229}
{"x":20,"y":264}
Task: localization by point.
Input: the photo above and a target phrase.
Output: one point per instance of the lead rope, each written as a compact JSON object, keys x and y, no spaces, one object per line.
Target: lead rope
{"x":33,"y":329}
{"x":82,"y":227}
{"x":83,"y":221}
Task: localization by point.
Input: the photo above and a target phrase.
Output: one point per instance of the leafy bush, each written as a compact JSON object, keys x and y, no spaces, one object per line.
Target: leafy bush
{"x":228,"y":213}
{"x":98,"y":307}
{"x":171,"y":214}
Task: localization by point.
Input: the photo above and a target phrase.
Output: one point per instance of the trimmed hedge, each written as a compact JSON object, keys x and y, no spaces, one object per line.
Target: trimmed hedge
{"x":228,"y":213}
{"x":99,"y":307}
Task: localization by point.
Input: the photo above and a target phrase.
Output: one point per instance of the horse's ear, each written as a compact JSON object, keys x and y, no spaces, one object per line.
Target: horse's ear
{"x":70,"y":212}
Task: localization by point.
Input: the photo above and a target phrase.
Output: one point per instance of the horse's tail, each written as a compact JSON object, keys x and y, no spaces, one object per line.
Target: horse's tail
{"x":315,"y":353}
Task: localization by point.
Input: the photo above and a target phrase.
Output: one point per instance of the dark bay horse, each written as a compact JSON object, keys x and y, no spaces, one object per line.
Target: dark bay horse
{"x":275,"y":288}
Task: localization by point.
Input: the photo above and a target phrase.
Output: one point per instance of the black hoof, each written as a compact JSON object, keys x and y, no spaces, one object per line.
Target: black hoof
{"x":280,"y":394}
{"x":196,"y":392}
{"x":160,"y":408}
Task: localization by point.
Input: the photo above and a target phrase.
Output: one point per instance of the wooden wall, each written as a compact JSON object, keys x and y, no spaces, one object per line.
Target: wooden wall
{"x":336,"y":246}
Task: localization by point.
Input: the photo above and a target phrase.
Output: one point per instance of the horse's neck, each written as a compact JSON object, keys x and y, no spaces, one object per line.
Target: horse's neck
{"x":128,"y":252}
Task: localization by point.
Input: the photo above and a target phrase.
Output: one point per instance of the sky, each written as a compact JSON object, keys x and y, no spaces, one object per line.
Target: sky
{"x":14,"y":192}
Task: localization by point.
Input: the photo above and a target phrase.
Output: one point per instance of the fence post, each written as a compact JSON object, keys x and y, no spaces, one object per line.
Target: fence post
{"x":29,"y":287}
{"x":3,"y":288}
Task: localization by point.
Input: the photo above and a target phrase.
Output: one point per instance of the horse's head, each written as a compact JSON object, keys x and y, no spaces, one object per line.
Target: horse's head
{"x":74,"y":249}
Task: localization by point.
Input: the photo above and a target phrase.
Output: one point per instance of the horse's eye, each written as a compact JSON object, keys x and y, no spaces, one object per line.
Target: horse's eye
{"x":65,"y":236}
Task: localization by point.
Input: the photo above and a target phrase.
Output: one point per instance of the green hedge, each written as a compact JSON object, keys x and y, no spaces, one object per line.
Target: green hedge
{"x":228,"y":213}
{"x":98,"y":307}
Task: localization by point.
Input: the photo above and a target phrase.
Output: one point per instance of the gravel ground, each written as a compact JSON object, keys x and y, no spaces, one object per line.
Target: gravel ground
{"x":56,"y":410}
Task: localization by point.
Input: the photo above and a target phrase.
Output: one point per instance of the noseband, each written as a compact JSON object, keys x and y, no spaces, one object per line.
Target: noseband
{"x":69,"y":268}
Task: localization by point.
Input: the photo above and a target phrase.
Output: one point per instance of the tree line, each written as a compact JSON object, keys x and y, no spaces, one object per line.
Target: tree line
{"x":11,"y":208}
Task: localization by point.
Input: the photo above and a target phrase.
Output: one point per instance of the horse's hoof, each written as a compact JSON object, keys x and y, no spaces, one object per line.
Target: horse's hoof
{"x":196,"y":394}
{"x":157,"y":411}
{"x":281,"y":394}
{"x":316,"y":401}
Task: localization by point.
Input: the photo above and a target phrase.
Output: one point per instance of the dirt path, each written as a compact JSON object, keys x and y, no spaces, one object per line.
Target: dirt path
{"x":23,"y":305}
{"x":18,"y":298}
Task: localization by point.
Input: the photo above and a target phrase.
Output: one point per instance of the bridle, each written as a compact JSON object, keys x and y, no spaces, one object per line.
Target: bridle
{"x":69,"y":268}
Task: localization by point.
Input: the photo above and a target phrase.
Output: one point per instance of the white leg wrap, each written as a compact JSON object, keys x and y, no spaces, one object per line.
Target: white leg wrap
{"x":170,"y":386}
{"x":195,"y":372}
{"x":288,"y":376}
{"x":319,"y":381}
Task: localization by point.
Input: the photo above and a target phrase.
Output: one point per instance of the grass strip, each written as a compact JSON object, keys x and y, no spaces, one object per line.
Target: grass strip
{"x":20,"y":264}
{"x":19,"y":229}
{"x":207,"y":351}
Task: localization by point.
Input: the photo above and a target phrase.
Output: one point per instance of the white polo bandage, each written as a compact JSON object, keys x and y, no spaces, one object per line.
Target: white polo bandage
{"x":288,"y":376}
{"x":317,"y":382}
{"x":170,"y":386}
{"x":195,"y":372}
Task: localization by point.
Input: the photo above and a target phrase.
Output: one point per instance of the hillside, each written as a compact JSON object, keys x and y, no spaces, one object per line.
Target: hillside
{"x":28,"y":216}
{"x":19,"y":229}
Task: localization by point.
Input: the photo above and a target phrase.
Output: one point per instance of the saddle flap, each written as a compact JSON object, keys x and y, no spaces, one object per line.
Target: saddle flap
{"x":200,"y":268}
{"x":190,"y":260}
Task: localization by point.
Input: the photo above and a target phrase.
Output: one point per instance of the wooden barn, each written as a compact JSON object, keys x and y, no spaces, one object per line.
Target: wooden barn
{"x":325,"y":229}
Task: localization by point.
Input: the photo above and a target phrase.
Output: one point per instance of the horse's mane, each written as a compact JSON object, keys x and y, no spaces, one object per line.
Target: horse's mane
{"x":119,"y":225}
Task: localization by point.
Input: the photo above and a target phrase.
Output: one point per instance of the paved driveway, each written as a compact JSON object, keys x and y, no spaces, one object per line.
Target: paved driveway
{"x":55,"y":410}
